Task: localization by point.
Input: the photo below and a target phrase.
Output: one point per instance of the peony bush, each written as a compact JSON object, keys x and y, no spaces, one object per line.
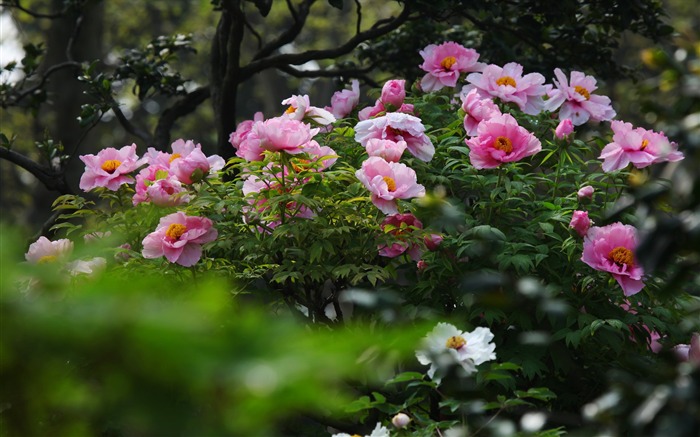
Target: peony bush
{"x":479,"y":200}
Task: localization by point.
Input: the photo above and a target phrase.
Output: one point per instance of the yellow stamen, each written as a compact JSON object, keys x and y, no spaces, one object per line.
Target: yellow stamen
{"x":583,"y":91}
{"x":645,"y":143}
{"x":622,"y":256}
{"x":175,"y":231}
{"x":448,"y":62}
{"x":390,"y":183}
{"x":111,"y":165}
{"x":506,"y":80}
{"x":174,"y":156}
{"x":455,"y":342}
{"x":47,"y":259}
{"x":504,"y":144}
{"x":290,"y":110}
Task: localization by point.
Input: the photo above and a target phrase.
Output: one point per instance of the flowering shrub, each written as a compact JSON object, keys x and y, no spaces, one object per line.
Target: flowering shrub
{"x":485,"y":222}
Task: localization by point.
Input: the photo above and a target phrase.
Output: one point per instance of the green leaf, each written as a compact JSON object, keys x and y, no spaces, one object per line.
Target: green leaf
{"x":406,"y":376}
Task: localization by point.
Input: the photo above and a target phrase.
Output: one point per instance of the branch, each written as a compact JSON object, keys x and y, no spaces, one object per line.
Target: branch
{"x":44,"y":77}
{"x":359,"y":16}
{"x":19,"y":7}
{"x":380,"y":28}
{"x":128,"y":126}
{"x":161,"y":136}
{"x":52,"y":180}
{"x":291,"y":33}
{"x":359,"y":73}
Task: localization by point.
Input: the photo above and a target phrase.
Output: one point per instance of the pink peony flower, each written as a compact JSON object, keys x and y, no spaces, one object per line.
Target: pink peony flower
{"x":611,"y":249}
{"x":155,"y":184}
{"x":394,"y":93}
{"x":580,"y":222}
{"x":433,"y":241}
{"x":564,"y":129}
{"x":401,"y":226}
{"x":189,"y":164}
{"x":477,"y":109}
{"x":500,"y":139}
{"x":509,"y":85}
{"x":110,"y":168}
{"x":179,"y":238}
{"x":444,"y":64}
{"x":689,"y":352}
{"x":300,"y":108}
{"x":388,"y":181}
{"x":282,"y":134}
{"x":259,"y":204}
{"x":317,"y":153}
{"x":390,"y":150}
{"x":343,"y":102}
{"x":585,"y":192}
{"x":638,"y":146}
{"x":243,"y":130}
{"x":44,"y":250}
{"x":397,"y":127}
{"x":576,"y":101}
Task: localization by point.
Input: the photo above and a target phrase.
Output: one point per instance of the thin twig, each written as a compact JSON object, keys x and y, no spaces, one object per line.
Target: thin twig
{"x":19,"y":7}
{"x":44,"y":77}
{"x":129,"y":126}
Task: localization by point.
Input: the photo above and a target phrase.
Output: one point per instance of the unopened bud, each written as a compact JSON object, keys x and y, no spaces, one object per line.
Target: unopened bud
{"x":400,"y":420}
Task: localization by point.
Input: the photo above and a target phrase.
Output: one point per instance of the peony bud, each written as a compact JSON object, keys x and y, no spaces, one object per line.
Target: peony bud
{"x":394,"y":92}
{"x":585,"y":192}
{"x":580,"y":222}
{"x":400,"y":420}
{"x":565,"y":128}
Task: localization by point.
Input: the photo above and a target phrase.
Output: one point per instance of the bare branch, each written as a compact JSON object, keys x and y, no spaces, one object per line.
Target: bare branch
{"x":358,"y":28}
{"x":253,"y":31}
{"x":128,"y":126}
{"x":16,"y":4}
{"x":161,"y":136}
{"x":43,"y":78}
{"x":291,"y":33}
{"x":360,"y":73}
{"x":282,"y":60}
{"x":52,"y":180}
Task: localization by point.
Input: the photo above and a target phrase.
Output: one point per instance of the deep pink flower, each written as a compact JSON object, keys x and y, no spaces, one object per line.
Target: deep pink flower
{"x":397,"y":127}
{"x":576,"y":101}
{"x":243,"y":130}
{"x":390,"y":150}
{"x":257,"y":191}
{"x":343,"y":102}
{"x":500,"y":139}
{"x":44,"y":250}
{"x":394,"y":93}
{"x":433,"y":241}
{"x":585,"y":192}
{"x":477,"y":109}
{"x":110,"y":168}
{"x":401,"y":226}
{"x":444,"y":64}
{"x":509,"y":85}
{"x":564,"y":129}
{"x":388,"y":181}
{"x":638,"y":146}
{"x":283,"y":134}
{"x":300,"y":108}
{"x":179,"y":238}
{"x":580,"y":222}
{"x":611,"y":249}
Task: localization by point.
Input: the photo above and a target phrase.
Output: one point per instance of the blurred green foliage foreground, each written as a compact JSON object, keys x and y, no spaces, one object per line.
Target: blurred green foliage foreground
{"x":116,"y":357}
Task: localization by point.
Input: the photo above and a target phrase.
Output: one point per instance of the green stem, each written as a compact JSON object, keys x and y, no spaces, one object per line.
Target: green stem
{"x":495,"y":190}
{"x":555,"y":188}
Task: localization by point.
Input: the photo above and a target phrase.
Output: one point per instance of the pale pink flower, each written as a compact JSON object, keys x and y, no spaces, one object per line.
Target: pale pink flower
{"x":477,"y":109}
{"x":444,"y":64}
{"x":387,"y":182}
{"x":300,"y":108}
{"x":585,"y":192}
{"x":110,"y":168}
{"x":576,"y":101}
{"x":400,"y":420}
{"x":401,"y":226}
{"x":44,"y":250}
{"x":282,"y":134}
{"x":89,"y":267}
{"x":243,"y":130}
{"x":323,"y":154}
{"x":509,"y":85}
{"x":343,"y":102}
{"x":638,"y":146}
{"x":390,"y":150}
{"x":580,"y":222}
{"x":564,"y":128}
{"x":372,"y":111}
{"x":394,"y":93}
{"x":179,"y":238}
{"x":689,"y":352}
{"x":611,"y":249}
{"x":500,"y":139}
{"x":257,"y":191}
{"x":397,"y":127}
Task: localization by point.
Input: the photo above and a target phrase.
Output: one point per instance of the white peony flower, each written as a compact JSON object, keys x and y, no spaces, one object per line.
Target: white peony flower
{"x":379,"y":431}
{"x":446,"y":345}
